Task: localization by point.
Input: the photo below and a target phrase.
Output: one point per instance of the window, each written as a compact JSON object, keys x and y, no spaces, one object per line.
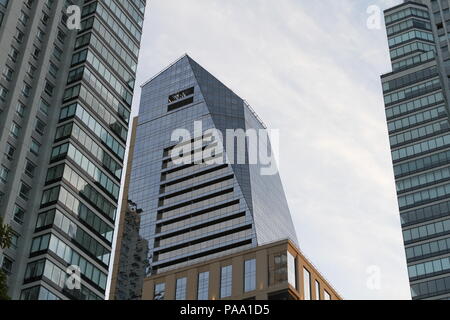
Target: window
{"x":8,"y":73}
{"x":61,"y":36}
{"x":278,"y":269}
{"x":45,"y":18}
{"x":292,"y":267}
{"x":307,"y":284}
{"x":4,"y":172}
{"x":7,"y":265}
{"x":20,"y":109}
{"x":19,"y":214}
{"x":23,"y":18}
{"x":36,"y":52}
{"x":53,"y":69}
{"x":44,"y":107}
{"x":40,"y":35}
{"x":34,"y":148}
{"x":317,"y":289}
{"x":49,"y":88}
{"x":326,"y":295}
{"x":31,"y":70}
{"x":203,"y":286}
{"x":250,"y":275}
{"x":57,"y":52}
{"x":180,"y":104}
{"x":26,"y":90}
{"x":29,"y":168}
{"x":24,"y":191}
{"x":13,"y":54}
{"x":15,"y":130}
{"x":180,"y":293}
{"x":29,"y":3}
{"x":14,"y":240}
{"x":43,"y":294}
{"x":226,"y":281}
{"x":3,"y":93}
{"x":19,"y":36}
{"x":40,"y":126}
{"x":10,"y":152}
{"x":160,"y":291}
{"x":180,"y":95}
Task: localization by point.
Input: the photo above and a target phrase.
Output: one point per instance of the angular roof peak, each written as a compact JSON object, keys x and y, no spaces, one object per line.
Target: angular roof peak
{"x":166,"y":68}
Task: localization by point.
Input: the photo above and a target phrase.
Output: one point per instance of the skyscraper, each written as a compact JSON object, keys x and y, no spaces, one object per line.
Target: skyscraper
{"x":195,"y":212}
{"x":416,"y":95}
{"x":65,"y":100}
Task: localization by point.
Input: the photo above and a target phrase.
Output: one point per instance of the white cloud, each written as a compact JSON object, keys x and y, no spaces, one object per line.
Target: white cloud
{"x":311,"y":69}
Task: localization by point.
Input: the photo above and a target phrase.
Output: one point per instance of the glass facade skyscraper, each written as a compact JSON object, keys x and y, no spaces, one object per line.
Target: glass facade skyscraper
{"x":196,"y":212}
{"x":416,"y":95}
{"x":65,"y":101}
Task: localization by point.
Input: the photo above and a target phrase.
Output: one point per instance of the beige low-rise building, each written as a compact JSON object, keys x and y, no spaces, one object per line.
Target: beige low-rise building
{"x":277,"y":271}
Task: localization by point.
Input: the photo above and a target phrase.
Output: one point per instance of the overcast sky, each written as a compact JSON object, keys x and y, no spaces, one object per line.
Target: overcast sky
{"x":311,"y":69}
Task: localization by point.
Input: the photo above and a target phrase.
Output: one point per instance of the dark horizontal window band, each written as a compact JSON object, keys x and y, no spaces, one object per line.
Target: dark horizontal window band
{"x":423,"y":202}
{"x":104,"y":103}
{"x":430,"y":275}
{"x":88,"y":131}
{"x":197,"y":186}
{"x":403,"y":68}
{"x":89,"y":179}
{"x":195,"y":175}
{"x":182,"y":167}
{"x":405,"y":17}
{"x":200,"y":226}
{"x":436,"y":235}
{"x":180,"y":104}
{"x":428,"y":256}
{"x":197,"y":241}
{"x":202,"y":254}
{"x":193,"y":152}
{"x":82,"y":148}
{"x":422,"y":186}
{"x":415,"y":26}
{"x":210,"y":196}
{"x":416,"y":94}
{"x":425,"y":214}
{"x":181,"y":95}
{"x":401,"y":44}
{"x":118,"y":95}
{"x":400,"y":57}
{"x":195,"y":139}
{"x":423,"y":164}
{"x":195,"y":214}
{"x":66,"y":264}
{"x":410,"y":79}
{"x":427,"y":296}
{"x":434,"y":292}
{"x":69,"y":213}
{"x":111,"y":69}
{"x":418,"y":124}
{"x":424,"y":108}
{"x":417,"y":155}
{"x":100,"y":164}
{"x":80,"y":247}
{"x":72,"y":294}
{"x":431,"y":135}
{"x":94,"y":113}
{"x":66,"y":185}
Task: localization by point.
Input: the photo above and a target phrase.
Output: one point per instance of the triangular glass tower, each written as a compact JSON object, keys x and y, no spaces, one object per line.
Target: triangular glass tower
{"x":195,"y":212}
